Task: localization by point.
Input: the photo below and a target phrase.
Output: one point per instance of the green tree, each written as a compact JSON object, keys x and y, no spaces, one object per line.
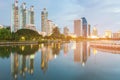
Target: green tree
{"x":27,"y":34}
{"x":56,"y":33}
{"x":5,"y":34}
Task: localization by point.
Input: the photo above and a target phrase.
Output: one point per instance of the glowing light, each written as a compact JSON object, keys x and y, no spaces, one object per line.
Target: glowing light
{"x":23,"y":38}
{"x":55,"y":56}
{"x":15,"y":76}
{"x":42,"y":45}
{"x":23,"y":48}
{"x":94,"y":37}
{"x":94,"y":51}
{"x":83,"y":64}
{"x":32,"y":56}
{"x":31,"y":46}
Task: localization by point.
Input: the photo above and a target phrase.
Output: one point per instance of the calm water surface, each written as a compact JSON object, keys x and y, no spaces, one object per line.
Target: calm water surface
{"x":55,"y":61}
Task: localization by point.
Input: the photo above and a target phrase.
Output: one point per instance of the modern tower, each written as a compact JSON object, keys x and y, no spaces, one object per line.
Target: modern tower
{"x":15,"y":17}
{"x":77,"y":28}
{"x":44,"y":20}
{"x":23,"y":16}
{"x":30,"y":19}
{"x":84,"y":27}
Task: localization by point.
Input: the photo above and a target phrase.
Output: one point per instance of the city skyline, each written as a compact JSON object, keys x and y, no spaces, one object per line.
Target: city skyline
{"x":104,"y":14}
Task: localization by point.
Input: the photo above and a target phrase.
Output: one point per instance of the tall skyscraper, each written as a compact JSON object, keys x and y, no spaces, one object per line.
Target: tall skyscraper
{"x":44,"y":19}
{"x":15,"y":17}
{"x":77,"y":28}
{"x":30,"y":19}
{"x":84,"y":27}
{"x":32,"y":15}
{"x":89,"y":30}
{"x":23,"y":16}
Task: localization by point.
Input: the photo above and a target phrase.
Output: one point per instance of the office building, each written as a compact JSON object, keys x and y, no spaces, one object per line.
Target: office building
{"x":77,"y":28}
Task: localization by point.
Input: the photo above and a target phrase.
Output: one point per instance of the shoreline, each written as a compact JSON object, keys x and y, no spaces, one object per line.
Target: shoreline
{"x":18,"y":43}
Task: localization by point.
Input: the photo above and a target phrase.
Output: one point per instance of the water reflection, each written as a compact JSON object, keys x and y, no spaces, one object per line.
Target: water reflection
{"x":48,"y":53}
{"x":81,"y":52}
{"x":24,"y":58}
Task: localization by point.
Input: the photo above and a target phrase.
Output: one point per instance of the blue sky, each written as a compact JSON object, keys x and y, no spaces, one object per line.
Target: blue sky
{"x":105,"y":14}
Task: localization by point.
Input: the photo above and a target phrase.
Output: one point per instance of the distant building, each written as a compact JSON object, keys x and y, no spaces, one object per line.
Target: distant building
{"x":50,"y":26}
{"x":94,"y":32}
{"x":89,"y":30}
{"x":66,"y":31}
{"x":15,"y":17}
{"x":84,"y":27}
{"x":108,"y":34}
{"x":44,"y":20}
{"x":77,"y":28}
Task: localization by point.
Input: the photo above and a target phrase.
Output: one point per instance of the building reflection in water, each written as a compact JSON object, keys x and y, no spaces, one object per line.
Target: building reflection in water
{"x":48,"y":53}
{"x":20,"y":64}
{"x":81,"y":52}
{"x":22,"y":61}
{"x":66,"y":48}
{"x":44,"y":59}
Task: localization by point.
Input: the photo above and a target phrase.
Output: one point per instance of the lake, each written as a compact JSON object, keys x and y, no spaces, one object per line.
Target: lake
{"x":58,"y":61}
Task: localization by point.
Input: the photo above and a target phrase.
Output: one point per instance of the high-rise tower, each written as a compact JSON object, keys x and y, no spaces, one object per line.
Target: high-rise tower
{"x":44,"y":19}
{"x":32,"y":15}
{"x":77,"y":27}
{"x":15,"y":17}
{"x":84,"y":27}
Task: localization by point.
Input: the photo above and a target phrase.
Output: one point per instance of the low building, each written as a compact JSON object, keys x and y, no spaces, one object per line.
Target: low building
{"x":30,"y":26}
{"x":116,"y":35}
{"x":108,"y":34}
